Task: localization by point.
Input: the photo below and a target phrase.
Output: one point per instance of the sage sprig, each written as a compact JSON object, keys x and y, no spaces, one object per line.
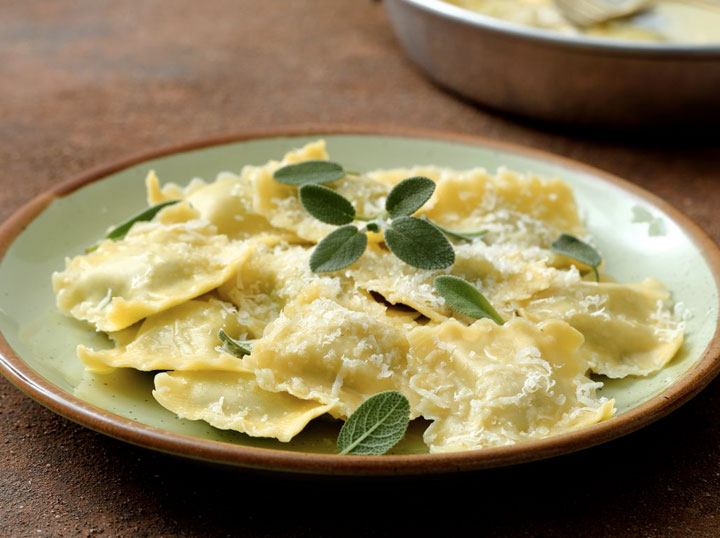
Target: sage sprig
{"x":239,"y":348}
{"x":118,"y":232}
{"x":416,"y":241}
{"x":572,"y":247}
{"x":465,"y":298}
{"x":376,"y":426}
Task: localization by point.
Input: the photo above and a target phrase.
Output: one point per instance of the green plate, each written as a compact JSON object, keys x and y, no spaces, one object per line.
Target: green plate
{"x":638,"y":234}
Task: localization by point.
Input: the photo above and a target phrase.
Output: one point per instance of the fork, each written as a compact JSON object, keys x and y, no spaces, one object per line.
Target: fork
{"x":587,"y":12}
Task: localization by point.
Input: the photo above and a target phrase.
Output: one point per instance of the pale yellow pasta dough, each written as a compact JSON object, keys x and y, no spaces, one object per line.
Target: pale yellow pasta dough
{"x":282,"y":205}
{"x":234,"y":254}
{"x":181,"y":338}
{"x":320,"y":350}
{"x":522,"y":209}
{"x":487,"y":385}
{"x":156,"y":266}
{"x":628,"y":328}
{"x":226,"y":203}
{"x":398,"y":283}
{"x":268,"y":278}
{"x":234,"y":401}
{"x":505,"y":274}
{"x":171,"y":191}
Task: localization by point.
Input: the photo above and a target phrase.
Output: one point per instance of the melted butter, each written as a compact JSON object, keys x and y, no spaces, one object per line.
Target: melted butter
{"x":679,"y":21}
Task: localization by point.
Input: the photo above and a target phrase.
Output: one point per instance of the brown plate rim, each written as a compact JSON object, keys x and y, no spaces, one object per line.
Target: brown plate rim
{"x":37,"y":387}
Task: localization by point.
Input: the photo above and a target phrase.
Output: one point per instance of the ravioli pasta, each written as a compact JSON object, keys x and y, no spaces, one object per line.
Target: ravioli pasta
{"x":234,"y":255}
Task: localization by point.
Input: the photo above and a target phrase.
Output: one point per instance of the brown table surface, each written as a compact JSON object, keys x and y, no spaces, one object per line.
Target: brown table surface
{"x":87,"y":81}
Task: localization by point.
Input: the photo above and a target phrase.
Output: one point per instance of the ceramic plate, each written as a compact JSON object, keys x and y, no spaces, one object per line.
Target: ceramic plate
{"x":638,"y":234}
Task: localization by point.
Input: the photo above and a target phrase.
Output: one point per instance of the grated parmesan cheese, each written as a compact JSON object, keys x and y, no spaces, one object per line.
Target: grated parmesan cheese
{"x":234,"y":255}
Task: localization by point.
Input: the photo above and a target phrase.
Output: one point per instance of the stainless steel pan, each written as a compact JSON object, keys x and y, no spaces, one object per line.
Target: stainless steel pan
{"x":559,"y":78}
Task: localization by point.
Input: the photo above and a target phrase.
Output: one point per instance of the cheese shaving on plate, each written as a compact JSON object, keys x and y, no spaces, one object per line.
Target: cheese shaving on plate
{"x":234,"y":255}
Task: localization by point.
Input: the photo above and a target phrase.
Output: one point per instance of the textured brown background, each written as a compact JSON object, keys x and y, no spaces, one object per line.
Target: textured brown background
{"x":86,"y":81}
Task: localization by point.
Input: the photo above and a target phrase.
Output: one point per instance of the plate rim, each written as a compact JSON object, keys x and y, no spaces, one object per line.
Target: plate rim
{"x":22,"y":376}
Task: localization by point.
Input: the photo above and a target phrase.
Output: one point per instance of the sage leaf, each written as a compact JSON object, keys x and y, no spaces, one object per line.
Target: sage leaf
{"x":326,"y":205}
{"x":572,"y":247}
{"x":239,"y":348}
{"x":309,"y":172}
{"x":340,"y":248}
{"x":419,"y":243}
{"x":408,"y":196}
{"x":376,"y":426}
{"x":465,"y":298}
{"x":119,"y":231}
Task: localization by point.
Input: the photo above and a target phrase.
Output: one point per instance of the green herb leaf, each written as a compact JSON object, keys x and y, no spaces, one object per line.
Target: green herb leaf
{"x":373,"y":227}
{"x":572,"y":247}
{"x":119,"y":231}
{"x":465,"y":236}
{"x":408,"y":196}
{"x":239,"y":348}
{"x":419,"y":243}
{"x":326,"y":205}
{"x":376,"y":426}
{"x":340,"y":248}
{"x":465,"y":298}
{"x":309,"y":172}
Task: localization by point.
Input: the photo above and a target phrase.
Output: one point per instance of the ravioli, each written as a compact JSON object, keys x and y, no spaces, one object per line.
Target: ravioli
{"x":234,"y":254}
{"x":397,"y":283}
{"x":629,"y":329}
{"x":268,"y":278}
{"x":282,"y":205}
{"x":521,"y":209}
{"x":226,"y":203}
{"x":320,"y":350}
{"x":155,"y":267}
{"x":487,"y":385}
{"x":234,"y":401}
{"x":504,"y":274}
{"x":181,"y":338}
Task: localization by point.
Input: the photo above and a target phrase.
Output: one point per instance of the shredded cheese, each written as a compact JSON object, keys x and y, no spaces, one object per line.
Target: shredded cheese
{"x":234,"y":255}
